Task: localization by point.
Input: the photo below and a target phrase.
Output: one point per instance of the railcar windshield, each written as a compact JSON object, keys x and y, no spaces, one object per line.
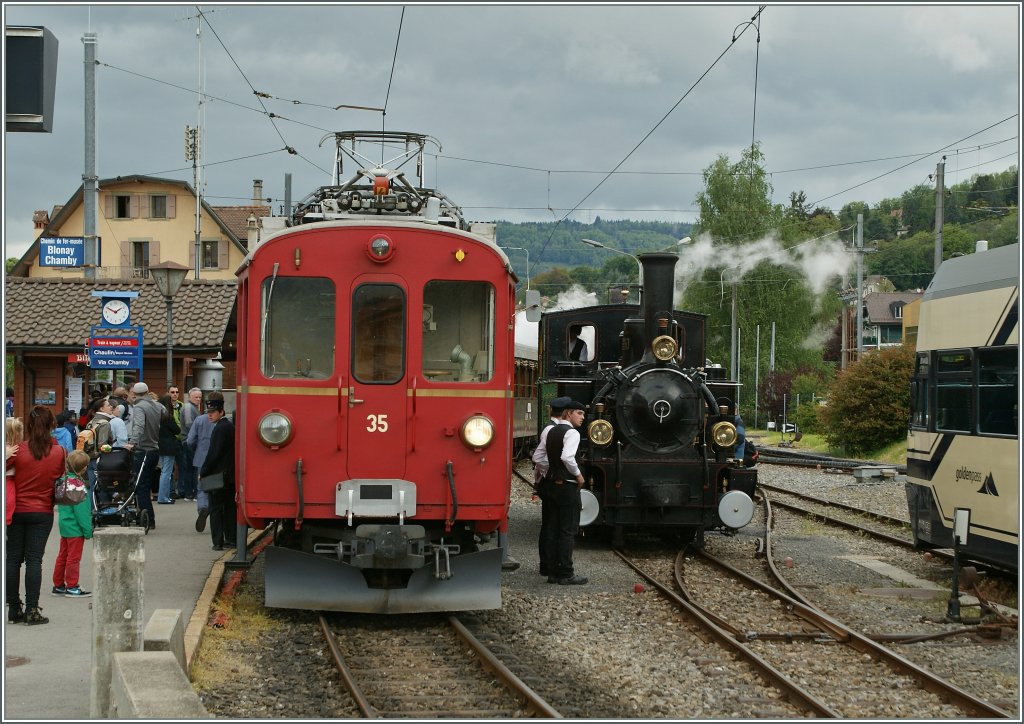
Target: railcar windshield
{"x":458,"y":331}
{"x":378,"y":333}
{"x":299,"y":339}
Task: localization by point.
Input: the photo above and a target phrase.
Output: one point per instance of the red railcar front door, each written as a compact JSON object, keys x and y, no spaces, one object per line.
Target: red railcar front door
{"x":377,"y":395}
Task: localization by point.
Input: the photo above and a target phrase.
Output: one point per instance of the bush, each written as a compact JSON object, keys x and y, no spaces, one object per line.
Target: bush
{"x":806,"y":417}
{"x":869,"y":402}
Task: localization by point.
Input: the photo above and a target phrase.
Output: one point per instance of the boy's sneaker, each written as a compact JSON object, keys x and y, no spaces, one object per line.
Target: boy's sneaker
{"x":58,"y":591}
{"x":77,"y":592}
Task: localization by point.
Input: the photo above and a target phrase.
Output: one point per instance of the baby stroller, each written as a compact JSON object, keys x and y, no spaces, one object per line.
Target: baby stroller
{"x":113,"y":497}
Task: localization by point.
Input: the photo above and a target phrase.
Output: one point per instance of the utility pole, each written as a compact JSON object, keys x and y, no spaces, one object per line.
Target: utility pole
{"x":734,"y":341}
{"x":757,"y":370}
{"x":940,"y":194}
{"x":192,"y":154}
{"x":90,"y":190}
{"x":860,"y":286}
{"x":197,"y":145}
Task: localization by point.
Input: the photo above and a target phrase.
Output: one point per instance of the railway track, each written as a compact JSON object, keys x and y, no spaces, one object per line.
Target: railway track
{"x":948,"y":692}
{"x":807,"y":645}
{"x":779,"y":456}
{"x":426,"y":667}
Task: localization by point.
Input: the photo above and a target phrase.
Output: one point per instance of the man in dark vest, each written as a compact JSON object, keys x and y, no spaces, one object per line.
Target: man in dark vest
{"x":540,"y":471}
{"x":562,"y":486}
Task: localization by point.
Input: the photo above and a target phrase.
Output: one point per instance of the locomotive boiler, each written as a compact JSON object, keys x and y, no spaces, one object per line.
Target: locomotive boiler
{"x":660,"y":443}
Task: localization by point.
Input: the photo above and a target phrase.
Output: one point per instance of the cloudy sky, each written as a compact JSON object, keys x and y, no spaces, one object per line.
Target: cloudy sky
{"x":533,"y":105}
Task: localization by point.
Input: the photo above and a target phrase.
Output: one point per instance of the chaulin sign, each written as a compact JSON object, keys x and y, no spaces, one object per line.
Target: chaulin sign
{"x":62,"y":251}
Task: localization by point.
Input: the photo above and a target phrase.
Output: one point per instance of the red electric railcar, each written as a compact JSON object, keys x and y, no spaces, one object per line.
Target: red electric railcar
{"x":374,"y":409}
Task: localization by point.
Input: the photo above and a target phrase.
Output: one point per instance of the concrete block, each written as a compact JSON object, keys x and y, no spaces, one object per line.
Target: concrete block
{"x":152,"y":685}
{"x":166,"y":632}
{"x":874,"y":471}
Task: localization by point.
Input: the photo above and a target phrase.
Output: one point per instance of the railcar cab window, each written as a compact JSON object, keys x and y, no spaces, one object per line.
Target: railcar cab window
{"x":297,"y":327}
{"x":458,"y":331}
{"x":378,"y":333}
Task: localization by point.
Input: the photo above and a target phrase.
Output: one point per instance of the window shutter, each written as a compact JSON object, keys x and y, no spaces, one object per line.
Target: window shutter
{"x":108,"y":206}
{"x":134,"y":204}
{"x":223,"y":254}
{"x":154,"y":253}
{"x":191,"y":254}
{"x":170,"y":205}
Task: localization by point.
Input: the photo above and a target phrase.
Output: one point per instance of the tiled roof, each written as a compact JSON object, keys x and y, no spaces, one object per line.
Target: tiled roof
{"x":879,"y":305}
{"x":58,"y":313}
{"x":236,"y":218}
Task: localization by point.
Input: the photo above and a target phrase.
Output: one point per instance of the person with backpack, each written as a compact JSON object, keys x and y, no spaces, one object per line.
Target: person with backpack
{"x":100,"y":431}
{"x":75,"y":524}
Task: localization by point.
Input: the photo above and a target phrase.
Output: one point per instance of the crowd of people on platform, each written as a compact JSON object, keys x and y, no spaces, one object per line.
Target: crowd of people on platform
{"x":171,"y":445}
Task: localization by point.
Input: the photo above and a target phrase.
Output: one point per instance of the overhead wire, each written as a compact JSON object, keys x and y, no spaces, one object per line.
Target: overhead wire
{"x":270,"y":117}
{"x":648,"y":134}
{"x":910,"y":163}
{"x":387,"y":96}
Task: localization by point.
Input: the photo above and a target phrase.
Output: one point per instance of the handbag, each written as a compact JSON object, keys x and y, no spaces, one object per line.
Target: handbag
{"x":69,"y":489}
{"x":213,"y":481}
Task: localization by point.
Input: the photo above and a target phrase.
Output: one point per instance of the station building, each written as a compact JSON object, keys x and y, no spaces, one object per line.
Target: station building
{"x":53,"y":301}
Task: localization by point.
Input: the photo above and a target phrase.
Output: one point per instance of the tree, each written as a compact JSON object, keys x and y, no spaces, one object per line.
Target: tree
{"x":11,"y":261}
{"x":736,"y":210}
{"x":869,"y":402}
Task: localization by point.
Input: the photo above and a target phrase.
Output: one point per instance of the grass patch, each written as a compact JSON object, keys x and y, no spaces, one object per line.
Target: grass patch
{"x":217,"y":661}
{"x":811,"y":527}
{"x":895,"y":453}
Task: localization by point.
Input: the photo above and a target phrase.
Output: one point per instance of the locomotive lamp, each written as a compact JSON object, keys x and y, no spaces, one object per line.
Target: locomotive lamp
{"x":275,"y":429}
{"x":664,"y":347}
{"x":477,"y":432}
{"x":600,"y":432}
{"x":724,"y":434}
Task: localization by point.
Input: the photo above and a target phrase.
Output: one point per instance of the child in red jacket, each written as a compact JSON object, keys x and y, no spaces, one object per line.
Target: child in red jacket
{"x":75,"y":523}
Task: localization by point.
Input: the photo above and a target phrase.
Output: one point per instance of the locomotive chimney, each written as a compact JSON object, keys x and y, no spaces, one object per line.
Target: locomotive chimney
{"x":659,"y":284}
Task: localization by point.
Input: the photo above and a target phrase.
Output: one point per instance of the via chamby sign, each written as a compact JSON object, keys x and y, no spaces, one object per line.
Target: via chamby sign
{"x":62,"y":251}
{"x":116,"y":353}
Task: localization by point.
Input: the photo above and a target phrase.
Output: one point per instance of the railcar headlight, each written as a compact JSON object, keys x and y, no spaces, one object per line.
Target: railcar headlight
{"x":477,"y":432}
{"x":664,"y":347}
{"x":600,"y":432}
{"x":724,"y":434}
{"x":275,"y":429}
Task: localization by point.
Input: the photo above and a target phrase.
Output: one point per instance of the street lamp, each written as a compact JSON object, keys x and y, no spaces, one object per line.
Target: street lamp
{"x":168,"y":276}
{"x":519,"y":248}
{"x":640,"y":267}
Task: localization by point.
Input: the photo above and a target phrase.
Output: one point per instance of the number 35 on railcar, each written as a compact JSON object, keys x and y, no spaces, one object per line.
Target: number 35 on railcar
{"x":374,"y":413}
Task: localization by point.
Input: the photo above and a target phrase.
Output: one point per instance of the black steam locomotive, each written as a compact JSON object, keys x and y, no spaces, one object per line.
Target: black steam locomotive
{"x":659,"y":442}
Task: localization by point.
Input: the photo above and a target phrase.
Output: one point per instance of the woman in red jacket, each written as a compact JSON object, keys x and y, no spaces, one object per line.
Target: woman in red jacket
{"x":38,"y":463}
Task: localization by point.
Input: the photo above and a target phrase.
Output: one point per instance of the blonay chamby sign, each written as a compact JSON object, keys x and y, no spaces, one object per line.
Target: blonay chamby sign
{"x":61,"y":251}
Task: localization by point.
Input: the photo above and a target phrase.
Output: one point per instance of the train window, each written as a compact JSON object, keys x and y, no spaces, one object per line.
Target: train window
{"x":378,"y":333}
{"x":920,"y":413}
{"x":458,"y":331}
{"x":580,"y":342}
{"x":997,"y":391}
{"x":954,"y":391}
{"x":298,"y":327}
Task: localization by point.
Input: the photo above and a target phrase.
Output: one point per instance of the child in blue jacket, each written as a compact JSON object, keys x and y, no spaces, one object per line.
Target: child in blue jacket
{"x":75,"y":522}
